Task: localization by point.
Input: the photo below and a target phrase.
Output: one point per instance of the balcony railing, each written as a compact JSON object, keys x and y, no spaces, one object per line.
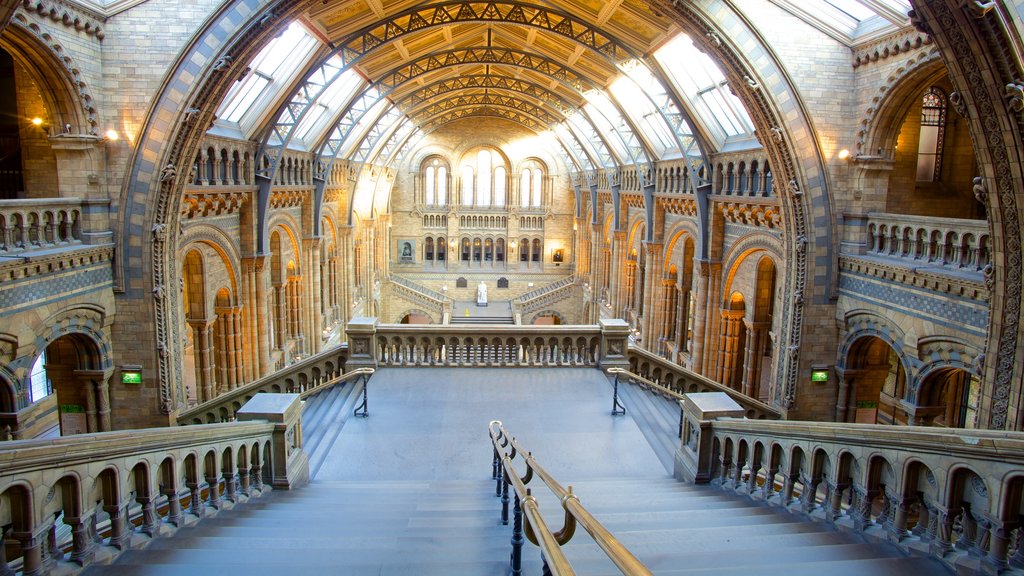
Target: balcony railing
{"x":951,"y":243}
{"x":39,"y":224}
{"x":951,"y":494}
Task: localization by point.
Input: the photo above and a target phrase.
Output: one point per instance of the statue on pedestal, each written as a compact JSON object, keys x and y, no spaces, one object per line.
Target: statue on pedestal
{"x":481,"y":294}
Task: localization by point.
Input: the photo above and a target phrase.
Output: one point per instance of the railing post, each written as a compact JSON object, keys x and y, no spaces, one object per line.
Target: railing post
{"x":614,"y":335}
{"x":362,"y":348}
{"x":290,"y":464}
{"x":516,"y":559}
{"x":617,"y":408}
{"x":363,"y":410}
{"x":504,"y":499}
{"x":694,"y":458}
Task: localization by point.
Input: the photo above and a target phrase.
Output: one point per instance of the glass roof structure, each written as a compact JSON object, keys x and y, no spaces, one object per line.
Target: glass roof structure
{"x":611,"y":108}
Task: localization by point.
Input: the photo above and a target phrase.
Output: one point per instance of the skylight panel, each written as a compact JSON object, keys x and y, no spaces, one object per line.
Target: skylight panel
{"x":853,"y":8}
{"x":643,"y":113}
{"x":270,"y":71}
{"x":705,"y":87}
{"x":604,"y":116}
{"x":328,"y":105}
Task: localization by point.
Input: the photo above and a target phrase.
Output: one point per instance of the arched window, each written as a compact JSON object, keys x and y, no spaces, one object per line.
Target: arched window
{"x":933,"y":128}
{"x":499,"y":186}
{"x":537,"y":187}
{"x":435,"y":183}
{"x":524,"y":188}
{"x":483,"y":178}
{"x":467,"y":185}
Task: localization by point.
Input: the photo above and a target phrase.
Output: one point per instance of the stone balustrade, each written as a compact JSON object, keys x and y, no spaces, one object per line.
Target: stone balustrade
{"x":405,"y":345}
{"x":116,"y":490}
{"x":952,"y":494}
{"x":745,"y":173}
{"x":32,"y":225}
{"x":682,"y":381}
{"x":322,"y":369}
{"x":952,"y":243}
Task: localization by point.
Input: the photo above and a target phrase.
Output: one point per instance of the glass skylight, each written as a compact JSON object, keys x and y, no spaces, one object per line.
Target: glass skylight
{"x":272,"y":69}
{"x":641,"y":110}
{"x":337,"y":94}
{"x":702,"y":83}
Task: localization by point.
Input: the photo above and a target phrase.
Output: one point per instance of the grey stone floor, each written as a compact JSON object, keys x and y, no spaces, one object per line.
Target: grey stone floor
{"x":431,"y":424}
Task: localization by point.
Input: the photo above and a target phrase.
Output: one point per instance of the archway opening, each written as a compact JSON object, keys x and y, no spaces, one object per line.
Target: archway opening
{"x":70,"y":389}
{"x":877,"y":383}
{"x":949,"y":398}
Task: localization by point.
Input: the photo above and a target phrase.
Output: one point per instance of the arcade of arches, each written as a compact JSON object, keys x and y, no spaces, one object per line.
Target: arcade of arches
{"x":809,"y":209}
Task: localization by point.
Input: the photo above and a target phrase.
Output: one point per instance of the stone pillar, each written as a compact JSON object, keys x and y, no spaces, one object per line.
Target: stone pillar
{"x":32,"y":550}
{"x":238,"y":346}
{"x":84,"y":381}
{"x":224,"y":328}
{"x":614,"y":343}
{"x":175,"y":515}
{"x":290,"y":464}
{"x":202,"y":341}
{"x":701,"y":339}
{"x":312,"y":324}
{"x":120,"y":534}
{"x":213,"y":492}
{"x":150,"y":518}
{"x":617,"y":286}
{"x":281,"y":315}
{"x":294,"y":310}
{"x":694,"y":458}
{"x":730,"y":346}
{"x":83,"y":549}
{"x":651,"y":296}
{"x":362,"y":349}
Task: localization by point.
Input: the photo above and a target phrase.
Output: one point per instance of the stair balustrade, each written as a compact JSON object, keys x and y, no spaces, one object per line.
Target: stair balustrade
{"x":309,"y":374}
{"x":503,"y":471}
{"x":672,"y":380}
{"x":116,"y":490}
{"x":952,"y":494}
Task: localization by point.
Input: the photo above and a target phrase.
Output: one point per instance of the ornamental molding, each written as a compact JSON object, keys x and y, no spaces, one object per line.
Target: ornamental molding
{"x":899,"y":42}
{"x":76,"y":17}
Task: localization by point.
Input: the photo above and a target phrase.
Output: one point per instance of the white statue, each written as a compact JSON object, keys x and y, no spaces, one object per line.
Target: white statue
{"x":481,"y":294}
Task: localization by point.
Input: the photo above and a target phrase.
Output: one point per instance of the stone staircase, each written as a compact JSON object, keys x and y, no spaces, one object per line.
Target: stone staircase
{"x":402,"y":524}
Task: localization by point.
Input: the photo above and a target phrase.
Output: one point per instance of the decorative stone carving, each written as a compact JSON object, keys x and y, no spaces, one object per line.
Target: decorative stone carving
{"x":979,"y":9}
{"x":1015,"y":93}
{"x":957,"y":102}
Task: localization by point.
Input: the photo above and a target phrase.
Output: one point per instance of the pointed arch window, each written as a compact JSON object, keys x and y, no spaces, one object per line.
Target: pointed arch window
{"x":467,"y":185}
{"x":933,"y":129}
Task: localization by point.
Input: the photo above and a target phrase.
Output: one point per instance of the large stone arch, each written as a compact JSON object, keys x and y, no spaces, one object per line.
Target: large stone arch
{"x":64,"y":89}
{"x":983,"y":65}
{"x":210,"y":63}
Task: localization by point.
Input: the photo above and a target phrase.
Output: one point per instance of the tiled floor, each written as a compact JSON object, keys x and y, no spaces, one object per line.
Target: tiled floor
{"x":431,"y":424}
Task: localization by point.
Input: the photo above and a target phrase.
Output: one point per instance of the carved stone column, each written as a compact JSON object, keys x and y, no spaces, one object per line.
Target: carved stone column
{"x":175,"y":515}
{"x":730,"y":346}
{"x":652,"y":296}
{"x":617,"y":285}
{"x":150,"y":519}
{"x":32,"y":550}
{"x":202,"y":330}
{"x":120,"y":534}
{"x":83,"y":549}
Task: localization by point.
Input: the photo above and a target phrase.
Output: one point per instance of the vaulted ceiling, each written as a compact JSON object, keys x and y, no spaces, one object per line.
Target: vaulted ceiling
{"x":549,"y":66}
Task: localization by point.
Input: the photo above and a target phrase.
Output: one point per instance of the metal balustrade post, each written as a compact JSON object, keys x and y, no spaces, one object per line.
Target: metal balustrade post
{"x":504,"y":501}
{"x":516,"y":558}
{"x":363,"y":410}
{"x":617,"y":408}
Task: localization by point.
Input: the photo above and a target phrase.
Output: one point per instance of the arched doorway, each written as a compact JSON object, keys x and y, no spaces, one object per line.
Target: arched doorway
{"x":877,"y":383}
{"x":949,"y":397}
{"x":69,"y":374}
{"x":733,"y":341}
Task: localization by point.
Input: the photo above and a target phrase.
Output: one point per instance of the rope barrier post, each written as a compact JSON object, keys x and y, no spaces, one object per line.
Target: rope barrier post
{"x":516,"y":559}
{"x":617,"y":408}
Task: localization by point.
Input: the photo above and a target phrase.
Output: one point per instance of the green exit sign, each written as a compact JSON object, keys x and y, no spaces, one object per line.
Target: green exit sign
{"x":131,"y":377}
{"x":819,"y":375}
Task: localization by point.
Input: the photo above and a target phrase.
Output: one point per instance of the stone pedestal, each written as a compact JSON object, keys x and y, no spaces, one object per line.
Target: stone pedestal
{"x":290,"y":466}
{"x":614,"y":342}
{"x":361,"y":350}
{"x":694,"y":458}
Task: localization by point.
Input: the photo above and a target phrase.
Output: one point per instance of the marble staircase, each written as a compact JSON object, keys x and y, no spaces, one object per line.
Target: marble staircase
{"x":381,"y":504}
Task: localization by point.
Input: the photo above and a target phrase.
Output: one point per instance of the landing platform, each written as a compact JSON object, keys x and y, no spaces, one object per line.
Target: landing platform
{"x":431,"y":424}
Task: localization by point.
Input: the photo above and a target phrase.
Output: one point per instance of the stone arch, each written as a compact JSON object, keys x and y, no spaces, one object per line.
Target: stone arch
{"x":880,"y":124}
{"x":554,"y":314}
{"x":237,"y":32}
{"x":70,"y":98}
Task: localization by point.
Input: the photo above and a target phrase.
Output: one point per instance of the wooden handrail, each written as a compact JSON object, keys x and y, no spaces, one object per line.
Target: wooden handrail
{"x":576,"y":513}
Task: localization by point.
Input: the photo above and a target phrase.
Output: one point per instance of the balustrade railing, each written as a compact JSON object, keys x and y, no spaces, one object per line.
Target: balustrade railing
{"x":649,"y":369}
{"x":85,"y":498}
{"x":398,"y":345}
{"x":421,"y":290}
{"x":951,"y":494}
{"x":952,"y":243}
{"x":503,"y":471}
{"x":39,"y":224}
{"x":312,"y":373}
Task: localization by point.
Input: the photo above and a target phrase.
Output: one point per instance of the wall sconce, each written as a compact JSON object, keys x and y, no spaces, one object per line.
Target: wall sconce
{"x":111,"y":135}
{"x":844,"y":154}
{"x":512,"y":244}
{"x":557,"y":256}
